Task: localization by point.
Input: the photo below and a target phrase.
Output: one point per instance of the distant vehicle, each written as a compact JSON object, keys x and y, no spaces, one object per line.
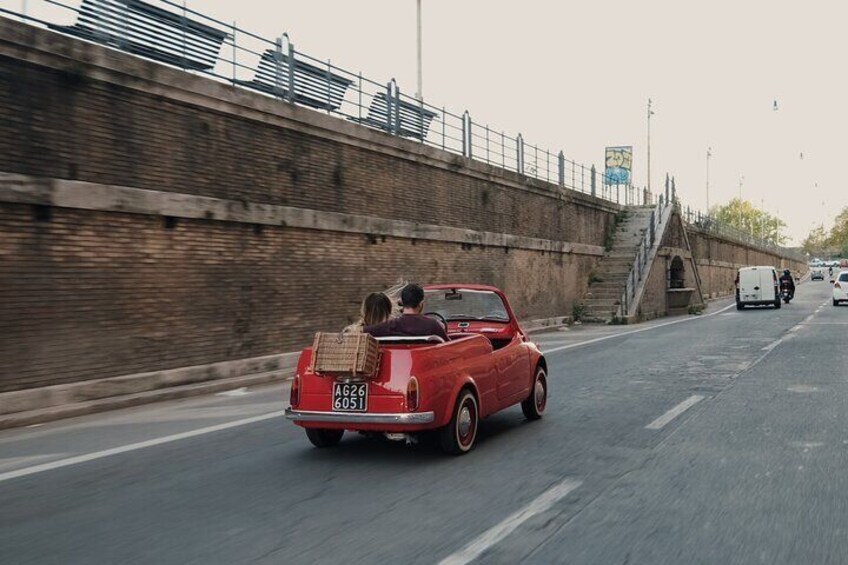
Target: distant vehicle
{"x":843,"y":264}
{"x":840,"y":288}
{"x":424,"y":383}
{"x":757,"y":286}
{"x":817,"y":275}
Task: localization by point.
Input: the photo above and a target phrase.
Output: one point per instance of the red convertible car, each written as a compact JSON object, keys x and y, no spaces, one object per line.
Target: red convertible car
{"x":425,"y":383}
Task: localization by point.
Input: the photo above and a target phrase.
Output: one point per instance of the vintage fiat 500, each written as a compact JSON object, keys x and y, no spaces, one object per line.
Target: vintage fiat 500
{"x":426,"y":383}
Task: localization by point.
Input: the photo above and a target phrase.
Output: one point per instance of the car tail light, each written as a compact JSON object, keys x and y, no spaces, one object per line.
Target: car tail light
{"x":294,"y":398}
{"x":412,"y":395}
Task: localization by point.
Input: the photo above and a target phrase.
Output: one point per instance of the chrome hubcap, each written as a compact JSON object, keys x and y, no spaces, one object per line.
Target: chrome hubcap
{"x":464,"y":421}
{"x":540,"y":394}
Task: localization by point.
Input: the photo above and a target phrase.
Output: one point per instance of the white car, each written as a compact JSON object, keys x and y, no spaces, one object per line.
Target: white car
{"x":840,"y":288}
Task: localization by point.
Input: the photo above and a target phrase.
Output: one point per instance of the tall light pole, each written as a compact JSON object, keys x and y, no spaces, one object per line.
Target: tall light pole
{"x":762,"y":218}
{"x":741,"y":180}
{"x":709,"y":154}
{"x":420,"y":94}
{"x":650,"y":113}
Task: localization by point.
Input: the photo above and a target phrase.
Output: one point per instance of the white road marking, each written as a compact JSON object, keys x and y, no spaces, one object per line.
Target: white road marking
{"x":802,"y":388}
{"x":235,"y":392}
{"x":134,"y":446}
{"x":660,"y":422}
{"x":496,"y":533}
{"x":772,"y":345}
{"x":613,"y":336}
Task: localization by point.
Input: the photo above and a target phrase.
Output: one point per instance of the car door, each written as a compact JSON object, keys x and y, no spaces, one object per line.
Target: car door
{"x":512,"y":362}
{"x":749,"y":285}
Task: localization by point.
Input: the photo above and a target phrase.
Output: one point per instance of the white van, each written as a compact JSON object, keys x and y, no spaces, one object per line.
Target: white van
{"x":757,"y":286}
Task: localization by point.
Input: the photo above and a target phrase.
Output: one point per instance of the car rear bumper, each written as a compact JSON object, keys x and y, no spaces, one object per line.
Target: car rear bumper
{"x":408,"y":418}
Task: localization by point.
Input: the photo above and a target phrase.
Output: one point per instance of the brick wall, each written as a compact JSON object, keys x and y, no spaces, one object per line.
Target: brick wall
{"x":90,"y":293}
{"x":719,"y":260}
{"x":61,"y":123}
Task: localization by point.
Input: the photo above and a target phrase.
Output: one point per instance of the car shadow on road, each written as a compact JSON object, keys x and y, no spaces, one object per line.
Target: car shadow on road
{"x":356,"y":447}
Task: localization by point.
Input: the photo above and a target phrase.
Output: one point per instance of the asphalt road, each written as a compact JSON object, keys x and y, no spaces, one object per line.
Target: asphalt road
{"x":711,"y":439}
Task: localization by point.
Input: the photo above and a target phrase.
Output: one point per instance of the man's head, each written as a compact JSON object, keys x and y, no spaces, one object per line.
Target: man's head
{"x":412,"y":298}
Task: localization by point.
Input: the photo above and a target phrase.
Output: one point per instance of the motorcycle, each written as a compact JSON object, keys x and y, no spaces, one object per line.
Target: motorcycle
{"x":786,"y":292}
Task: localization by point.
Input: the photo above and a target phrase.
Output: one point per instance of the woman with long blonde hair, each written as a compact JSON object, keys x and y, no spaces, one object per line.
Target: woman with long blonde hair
{"x":376,"y":309}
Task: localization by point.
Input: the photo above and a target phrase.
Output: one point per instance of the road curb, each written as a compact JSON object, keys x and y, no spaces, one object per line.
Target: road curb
{"x":545,"y":324}
{"x":49,"y":414}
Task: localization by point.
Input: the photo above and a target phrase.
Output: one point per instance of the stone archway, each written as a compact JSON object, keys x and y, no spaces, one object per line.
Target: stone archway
{"x":676,"y":273}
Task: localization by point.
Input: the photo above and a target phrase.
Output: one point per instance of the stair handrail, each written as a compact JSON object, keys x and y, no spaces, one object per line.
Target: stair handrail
{"x":650,"y":239}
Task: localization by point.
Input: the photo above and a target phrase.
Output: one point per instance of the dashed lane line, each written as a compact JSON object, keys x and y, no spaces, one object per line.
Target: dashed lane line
{"x":496,"y":533}
{"x":663,"y":420}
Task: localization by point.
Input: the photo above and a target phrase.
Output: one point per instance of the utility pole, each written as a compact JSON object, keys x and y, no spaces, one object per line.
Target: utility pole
{"x":420,"y":94}
{"x":741,"y":180}
{"x":650,"y":113}
{"x":709,"y":154}
{"x":762,"y":218}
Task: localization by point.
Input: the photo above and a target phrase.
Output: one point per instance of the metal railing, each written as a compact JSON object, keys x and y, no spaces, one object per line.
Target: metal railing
{"x":173,"y":34}
{"x":274,"y":67}
{"x":650,"y":240}
{"x":706,"y":223}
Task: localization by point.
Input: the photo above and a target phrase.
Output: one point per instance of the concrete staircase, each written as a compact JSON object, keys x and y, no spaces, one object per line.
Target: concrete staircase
{"x":603,"y":296}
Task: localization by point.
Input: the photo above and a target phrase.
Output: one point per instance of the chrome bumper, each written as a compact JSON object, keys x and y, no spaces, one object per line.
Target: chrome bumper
{"x":411,"y":418}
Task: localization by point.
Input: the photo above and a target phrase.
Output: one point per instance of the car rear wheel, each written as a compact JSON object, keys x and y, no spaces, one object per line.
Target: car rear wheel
{"x":740,"y":306}
{"x":534,"y":405}
{"x":324,"y":438}
{"x":459,"y":435}
{"x":835,"y":302}
{"x":777,"y":304}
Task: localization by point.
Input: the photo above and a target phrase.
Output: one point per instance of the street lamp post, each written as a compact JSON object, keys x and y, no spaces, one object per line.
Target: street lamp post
{"x":762,"y":219}
{"x":709,"y":154}
{"x":741,"y":180}
{"x":420,"y":94}
{"x":650,"y":113}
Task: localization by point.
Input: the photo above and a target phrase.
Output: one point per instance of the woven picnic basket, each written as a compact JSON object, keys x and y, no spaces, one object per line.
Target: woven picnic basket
{"x":352,"y":354}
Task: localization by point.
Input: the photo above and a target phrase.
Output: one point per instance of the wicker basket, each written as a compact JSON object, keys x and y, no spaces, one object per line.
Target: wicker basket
{"x":353,"y":354}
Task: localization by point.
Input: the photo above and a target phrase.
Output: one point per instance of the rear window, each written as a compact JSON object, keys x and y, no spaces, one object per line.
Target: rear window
{"x":843,"y":277}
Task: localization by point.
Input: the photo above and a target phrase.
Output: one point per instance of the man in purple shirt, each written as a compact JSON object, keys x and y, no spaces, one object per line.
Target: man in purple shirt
{"x":411,"y":323}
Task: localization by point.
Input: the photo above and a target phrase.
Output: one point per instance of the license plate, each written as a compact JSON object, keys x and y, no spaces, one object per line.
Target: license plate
{"x":350,"y":397}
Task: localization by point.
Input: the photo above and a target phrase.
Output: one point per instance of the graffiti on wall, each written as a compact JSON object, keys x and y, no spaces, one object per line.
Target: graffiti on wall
{"x":619,"y":165}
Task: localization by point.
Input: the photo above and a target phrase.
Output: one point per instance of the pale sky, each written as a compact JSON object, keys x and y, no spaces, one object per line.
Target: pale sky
{"x":576,"y":76}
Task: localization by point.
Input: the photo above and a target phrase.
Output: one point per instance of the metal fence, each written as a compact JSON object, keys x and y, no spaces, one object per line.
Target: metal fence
{"x":707,"y":223}
{"x":173,"y":34}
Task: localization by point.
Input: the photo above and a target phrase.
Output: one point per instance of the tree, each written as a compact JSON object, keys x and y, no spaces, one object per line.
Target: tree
{"x":839,"y":232}
{"x":829,"y":243}
{"x":744,"y":216}
{"x":816,"y":242}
